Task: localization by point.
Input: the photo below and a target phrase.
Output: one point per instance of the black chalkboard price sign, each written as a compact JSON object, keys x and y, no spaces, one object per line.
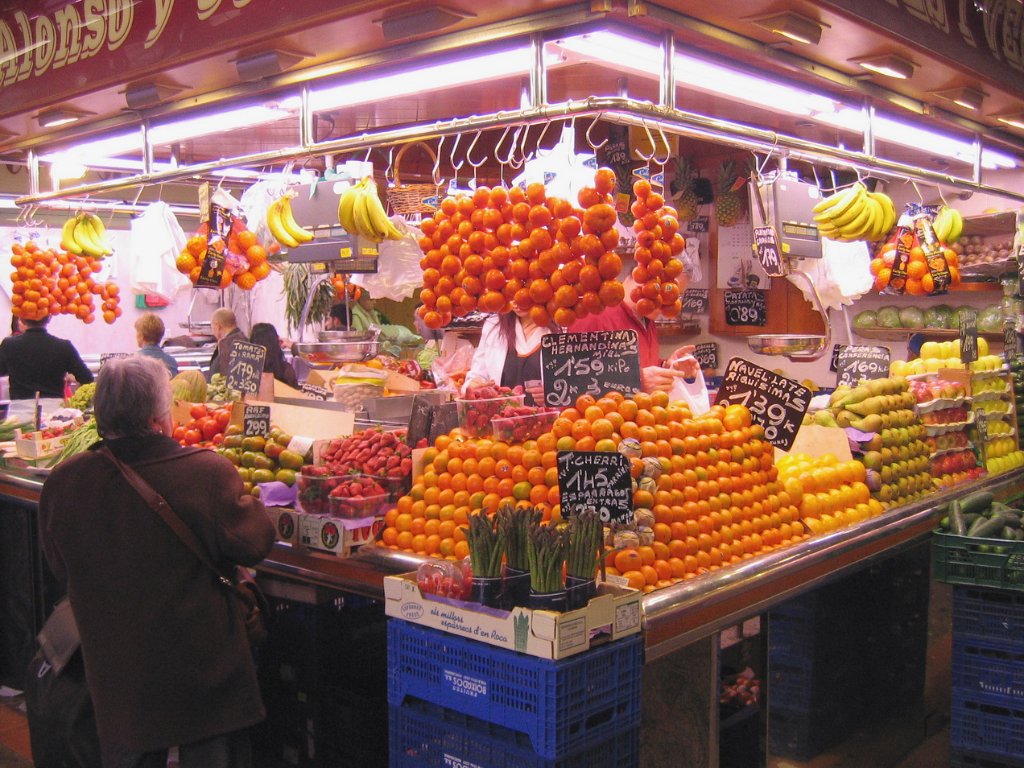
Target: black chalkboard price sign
{"x":698,"y":224}
{"x":857,"y":362}
{"x":745,"y":308}
{"x":443,"y":419}
{"x":968,"y":335}
{"x":597,"y":480}
{"x":593,"y":362}
{"x":256,"y":420}
{"x":769,"y":251}
{"x":419,"y":421}
{"x":104,"y":357}
{"x":1011,"y":342}
{"x":1020,"y":269}
{"x":707,"y":355}
{"x":776,"y":403}
{"x":695,"y":301}
{"x":315,"y":392}
{"x":245,"y":366}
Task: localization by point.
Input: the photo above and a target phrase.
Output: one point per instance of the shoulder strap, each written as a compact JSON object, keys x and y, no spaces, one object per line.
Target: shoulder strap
{"x":159,"y":505}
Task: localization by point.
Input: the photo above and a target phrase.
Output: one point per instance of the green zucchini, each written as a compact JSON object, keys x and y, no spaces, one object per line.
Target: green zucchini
{"x":957,"y":524}
{"x":985,"y":528}
{"x":969,"y":518}
{"x":1007,"y":533}
{"x":979,"y":501}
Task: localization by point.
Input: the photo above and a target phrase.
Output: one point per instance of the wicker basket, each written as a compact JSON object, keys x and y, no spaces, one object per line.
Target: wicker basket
{"x":406,"y":199}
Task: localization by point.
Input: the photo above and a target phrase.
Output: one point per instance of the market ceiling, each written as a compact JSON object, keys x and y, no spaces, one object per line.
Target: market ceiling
{"x":169,"y":55}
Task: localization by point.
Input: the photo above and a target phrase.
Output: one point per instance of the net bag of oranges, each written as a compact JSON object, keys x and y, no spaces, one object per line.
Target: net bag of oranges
{"x":913,"y":260}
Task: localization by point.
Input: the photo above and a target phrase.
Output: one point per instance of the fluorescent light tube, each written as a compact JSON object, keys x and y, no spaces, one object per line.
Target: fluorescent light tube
{"x":889,"y":65}
{"x":434,"y":77}
{"x":215,"y":122}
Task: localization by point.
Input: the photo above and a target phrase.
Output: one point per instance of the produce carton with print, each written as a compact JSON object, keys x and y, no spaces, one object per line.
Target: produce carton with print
{"x":337,"y":536}
{"x":614,"y":613}
{"x":286,"y":523}
{"x":44,"y":443}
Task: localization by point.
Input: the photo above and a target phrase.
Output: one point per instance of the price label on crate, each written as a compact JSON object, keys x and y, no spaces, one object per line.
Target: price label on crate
{"x":981,"y":426}
{"x":698,"y":224}
{"x":968,"y":335}
{"x":104,"y":357}
{"x":593,"y":362}
{"x":855,"y":362}
{"x":256,"y":420}
{"x":745,"y":308}
{"x":707,"y":355}
{"x":245,"y":366}
{"x":776,"y":403}
{"x":695,"y":301}
{"x":315,"y":392}
{"x":769,"y":251}
{"x":598,"y":480}
{"x":1011,"y":342}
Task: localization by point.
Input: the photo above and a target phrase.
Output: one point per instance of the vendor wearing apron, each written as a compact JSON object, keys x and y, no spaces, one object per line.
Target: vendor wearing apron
{"x":509,"y":354}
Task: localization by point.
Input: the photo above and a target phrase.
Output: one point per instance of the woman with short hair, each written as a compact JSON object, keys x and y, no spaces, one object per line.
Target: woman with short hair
{"x":166,"y":653}
{"x":149,"y":332}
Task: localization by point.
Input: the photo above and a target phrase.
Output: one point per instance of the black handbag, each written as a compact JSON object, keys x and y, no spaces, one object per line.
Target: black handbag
{"x":61,"y":720}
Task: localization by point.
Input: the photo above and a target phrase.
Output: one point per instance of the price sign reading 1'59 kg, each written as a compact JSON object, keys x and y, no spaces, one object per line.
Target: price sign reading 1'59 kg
{"x":695,"y":300}
{"x":593,"y":362}
{"x":256,"y":420}
{"x":769,"y":251}
{"x":245,"y":366}
{"x":776,"y":403}
{"x":968,"y":335}
{"x":597,"y":480}
{"x":745,"y":308}
{"x":861,"y":362}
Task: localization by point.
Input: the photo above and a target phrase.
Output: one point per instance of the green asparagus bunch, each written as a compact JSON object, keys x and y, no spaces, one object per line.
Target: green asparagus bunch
{"x":79,"y":440}
{"x":583,"y":554}
{"x":547,"y":556}
{"x":514,"y":525}
{"x":486,"y":546}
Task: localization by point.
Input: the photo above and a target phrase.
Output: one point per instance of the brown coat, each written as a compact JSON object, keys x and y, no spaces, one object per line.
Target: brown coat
{"x":166,"y":655}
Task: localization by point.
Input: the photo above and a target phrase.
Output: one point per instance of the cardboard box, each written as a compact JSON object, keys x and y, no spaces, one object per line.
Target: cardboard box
{"x":302,"y":420}
{"x":32,"y":445}
{"x":336,"y":536}
{"x":286,"y":523}
{"x":613,"y":614}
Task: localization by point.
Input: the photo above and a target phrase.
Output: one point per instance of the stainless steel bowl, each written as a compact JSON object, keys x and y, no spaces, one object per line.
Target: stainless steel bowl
{"x":791,"y":345}
{"x":346,"y":335}
{"x":326,"y":354}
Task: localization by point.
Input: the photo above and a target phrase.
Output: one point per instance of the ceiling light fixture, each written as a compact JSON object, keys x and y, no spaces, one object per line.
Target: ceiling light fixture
{"x":51,"y":118}
{"x":257,"y":66}
{"x":414,"y":20}
{"x":792,"y":26}
{"x":1014,"y":121}
{"x":142,"y":95}
{"x":889,"y":65}
{"x":968,"y":98}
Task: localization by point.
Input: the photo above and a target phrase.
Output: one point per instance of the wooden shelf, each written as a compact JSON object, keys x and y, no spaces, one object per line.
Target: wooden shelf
{"x":901,"y":334}
{"x":988,"y":224}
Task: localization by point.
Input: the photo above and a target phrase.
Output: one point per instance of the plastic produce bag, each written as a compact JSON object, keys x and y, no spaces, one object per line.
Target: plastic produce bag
{"x":563,"y":172}
{"x":842,"y":274}
{"x":255,"y":202}
{"x":398,"y":274}
{"x":156,"y":241}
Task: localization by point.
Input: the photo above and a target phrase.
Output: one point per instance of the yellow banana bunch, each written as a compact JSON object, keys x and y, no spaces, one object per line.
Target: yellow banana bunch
{"x":283,"y":226}
{"x":855,"y":214}
{"x":360,"y":212}
{"x":85,"y":234}
{"x":948,"y":225}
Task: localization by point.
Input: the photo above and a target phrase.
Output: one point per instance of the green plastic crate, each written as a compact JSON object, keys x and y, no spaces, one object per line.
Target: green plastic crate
{"x":995,"y":563}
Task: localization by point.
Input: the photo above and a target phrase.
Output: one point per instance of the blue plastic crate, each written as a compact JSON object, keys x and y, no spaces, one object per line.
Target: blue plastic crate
{"x":987,"y":723}
{"x":989,"y":614}
{"x":558,"y":705}
{"x":988,"y":667}
{"x":428,"y":736}
{"x":961,"y":759}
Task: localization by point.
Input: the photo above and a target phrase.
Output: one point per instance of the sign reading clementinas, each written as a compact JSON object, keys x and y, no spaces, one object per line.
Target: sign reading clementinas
{"x":33,"y":46}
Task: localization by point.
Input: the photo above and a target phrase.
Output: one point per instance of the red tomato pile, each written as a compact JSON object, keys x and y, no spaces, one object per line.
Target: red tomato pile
{"x":658,"y":272}
{"x":206,"y":426}
{"x":501,"y":247}
{"x":48,"y":282}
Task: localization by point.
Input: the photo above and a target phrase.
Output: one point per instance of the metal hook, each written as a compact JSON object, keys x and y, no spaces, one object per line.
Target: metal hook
{"x":469,"y":159}
{"x":369,"y":150}
{"x":436,"y":173}
{"x":920,"y":197}
{"x":650,"y":138}
{"x":668,"y":149}
{"x":524,"y":156}
{"x":387,"y":171}
{"x":590,"y":141}
{"x":510,"y":160}
{"x":451,"y":155}
{"x":540,"y":138}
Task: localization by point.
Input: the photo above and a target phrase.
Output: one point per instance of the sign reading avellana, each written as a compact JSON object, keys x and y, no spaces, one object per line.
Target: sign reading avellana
{"x":597,"y":480}
{"x":745,"y":308}
{"x":245,"y":366}
{"x":769,"y":251}
{"x":592,"y":362}
{"x":1011,"y":342}
{"x":856,"y":362}
{"x":776,"y":403}
{"x":695,"y":301}
{"x":256,"y":420}
{"x":968,"y":335}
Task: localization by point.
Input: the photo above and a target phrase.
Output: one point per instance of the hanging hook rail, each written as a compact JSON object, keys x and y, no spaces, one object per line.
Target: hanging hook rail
{"x":590,"y":127}
{"x":668,"y":149}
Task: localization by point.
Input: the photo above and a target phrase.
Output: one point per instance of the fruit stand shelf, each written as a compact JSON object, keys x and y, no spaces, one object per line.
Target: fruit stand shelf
{"x":901,"y":334}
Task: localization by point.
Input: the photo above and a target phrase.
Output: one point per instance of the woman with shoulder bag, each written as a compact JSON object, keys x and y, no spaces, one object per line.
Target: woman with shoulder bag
{"x":163,"y":634}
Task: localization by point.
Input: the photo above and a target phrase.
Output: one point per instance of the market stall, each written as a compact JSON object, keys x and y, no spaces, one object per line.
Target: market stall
{"x":522,"y":159}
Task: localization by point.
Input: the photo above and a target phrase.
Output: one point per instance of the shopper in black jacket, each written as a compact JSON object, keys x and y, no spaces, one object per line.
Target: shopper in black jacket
{"x":35,"y":361}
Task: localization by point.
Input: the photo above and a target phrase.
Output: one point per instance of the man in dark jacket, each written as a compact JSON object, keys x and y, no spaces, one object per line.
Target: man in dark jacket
{"x":225,"y":330}
{"x":35,"y":361}
{"x":166,"y":653}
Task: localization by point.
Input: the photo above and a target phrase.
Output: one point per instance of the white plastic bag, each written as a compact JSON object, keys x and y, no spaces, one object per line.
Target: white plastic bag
{"x":841,"y":275}
{"x":156,"y":241}
{"x":398,"y":273}
{"x":563,"y":172}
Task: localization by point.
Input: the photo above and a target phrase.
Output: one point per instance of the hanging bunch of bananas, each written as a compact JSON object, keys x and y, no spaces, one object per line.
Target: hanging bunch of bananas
{"x":283,"y":226}
{"x":360,"y":212}
{"x":855,"y":214}
{"x":948,"y":225}
{"x":85,"y":234}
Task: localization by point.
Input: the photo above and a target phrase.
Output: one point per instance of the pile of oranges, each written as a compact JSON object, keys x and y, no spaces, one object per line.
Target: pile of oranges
{"x":245,"y":259}
{"x":48,"y":282}
{"x":717,"y":499}
{"x":501,"y":247}
{"x":658,"y":273}
{"x":833,"y":494}
{"x":919,"y":280}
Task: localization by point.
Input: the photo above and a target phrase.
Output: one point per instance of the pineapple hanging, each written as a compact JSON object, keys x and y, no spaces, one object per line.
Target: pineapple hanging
{"x":728,"y":203}
{"x":684,"y":194}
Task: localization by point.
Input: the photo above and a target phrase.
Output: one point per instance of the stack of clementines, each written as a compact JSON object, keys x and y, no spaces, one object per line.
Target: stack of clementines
{"x":658,"y":272}
{"x":500,"y":247}
{"x":717,"y":499}
{"x":47,"y":282}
